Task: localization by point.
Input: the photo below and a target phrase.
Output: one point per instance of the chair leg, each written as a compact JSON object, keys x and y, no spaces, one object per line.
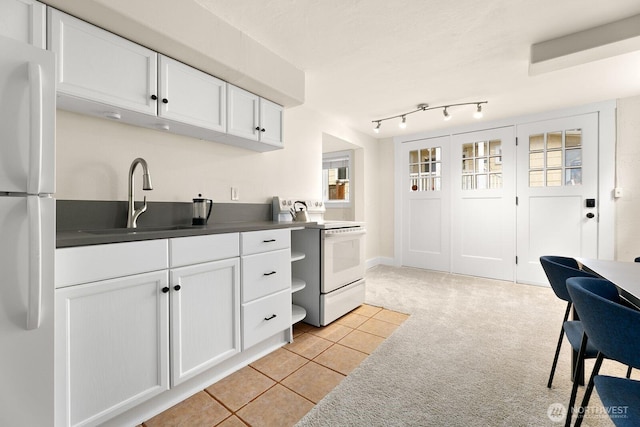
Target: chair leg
{"x":589,"y":389}
{"x":555,"y":358}
{"x":574,"y":387}
{"x":629,"y":372}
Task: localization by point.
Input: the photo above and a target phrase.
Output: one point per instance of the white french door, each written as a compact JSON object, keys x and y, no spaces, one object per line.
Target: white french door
{"x":557,"y":210}
{"x":426,"y":204}
{"x":483,"y":203}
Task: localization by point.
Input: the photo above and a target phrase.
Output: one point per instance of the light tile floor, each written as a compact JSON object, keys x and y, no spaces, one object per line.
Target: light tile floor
{"x":280,"y":388}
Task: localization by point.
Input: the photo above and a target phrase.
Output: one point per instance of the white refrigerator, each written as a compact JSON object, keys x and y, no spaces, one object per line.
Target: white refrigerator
{"x":27,"y":234}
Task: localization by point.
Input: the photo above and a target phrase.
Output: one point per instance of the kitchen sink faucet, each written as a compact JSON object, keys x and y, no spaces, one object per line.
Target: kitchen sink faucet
{"x":133,"y":213}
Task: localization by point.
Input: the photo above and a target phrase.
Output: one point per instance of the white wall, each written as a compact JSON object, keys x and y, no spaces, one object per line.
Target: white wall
{"x":94,"y":155}
{"x":628,"y":178}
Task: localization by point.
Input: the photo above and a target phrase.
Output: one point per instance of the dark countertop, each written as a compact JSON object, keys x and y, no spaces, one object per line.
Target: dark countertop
{"x":65,"y":239}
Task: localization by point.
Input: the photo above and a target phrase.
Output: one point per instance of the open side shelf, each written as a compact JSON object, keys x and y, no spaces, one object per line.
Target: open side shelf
{"x":297,"y":313}
{"x":297,"y":284}
{"x":297,"y":256}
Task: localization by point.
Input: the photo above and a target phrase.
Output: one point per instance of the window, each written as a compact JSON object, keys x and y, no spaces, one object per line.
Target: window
{"x":425,"y":169}
{"x":336,"y":172}
{"x":482,"y":165}
{"x":546,"y":153}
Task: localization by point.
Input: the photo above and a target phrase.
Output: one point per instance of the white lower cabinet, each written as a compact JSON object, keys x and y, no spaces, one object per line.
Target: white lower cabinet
{"x":205,"y":317}
{"x":112,"y":347}
{"x":265,"y":317}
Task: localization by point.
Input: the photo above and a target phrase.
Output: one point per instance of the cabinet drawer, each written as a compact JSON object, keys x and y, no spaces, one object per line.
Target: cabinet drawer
{"x":265,"y":240}
{"x":265,"y":317}
{"x":198,"y":249}
{"x":264,"y":274}
{"x":83,"y":264}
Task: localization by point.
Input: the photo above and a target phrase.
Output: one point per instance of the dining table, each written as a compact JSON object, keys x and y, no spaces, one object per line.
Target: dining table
{"x":624,"y":274}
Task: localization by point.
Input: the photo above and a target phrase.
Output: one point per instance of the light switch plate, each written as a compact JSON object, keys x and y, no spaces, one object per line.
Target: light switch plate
{"x":617,"y":192}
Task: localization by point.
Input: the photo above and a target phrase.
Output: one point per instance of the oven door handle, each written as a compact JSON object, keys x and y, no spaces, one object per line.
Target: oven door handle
{"x":334,"y":235}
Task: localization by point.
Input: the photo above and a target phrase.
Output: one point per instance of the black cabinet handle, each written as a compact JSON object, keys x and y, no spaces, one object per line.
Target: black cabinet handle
{"x":269,"y":274}
{"x":590,"y":215}
{"x":154,"y":97}
{"x":262,"y":130}
{"x":165,"y":100}
{"x":270,"y":317}
{"x":257,"y":128}
{"x":177,"y":287}
{"x":165,"y":290}
{"x":269,"y":241}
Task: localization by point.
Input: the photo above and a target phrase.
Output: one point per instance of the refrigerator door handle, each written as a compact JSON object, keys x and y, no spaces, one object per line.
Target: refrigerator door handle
{"x":34,"y":307}
{"x":35,"y":148}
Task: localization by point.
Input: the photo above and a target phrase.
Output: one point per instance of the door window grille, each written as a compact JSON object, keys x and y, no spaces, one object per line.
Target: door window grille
{"x":425,"y":169}
{"x":482,"y":165}
{"x":555,"y":158}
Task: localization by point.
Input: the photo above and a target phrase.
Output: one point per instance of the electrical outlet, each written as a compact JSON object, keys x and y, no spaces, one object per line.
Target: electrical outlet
{"x":234,"y":193}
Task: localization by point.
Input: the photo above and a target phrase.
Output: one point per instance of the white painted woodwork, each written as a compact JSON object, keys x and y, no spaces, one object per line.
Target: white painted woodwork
{"x":83,"y":264}
{"x":426,"y":233}
{"x":243,"y":113}
{"x":483,"y":220}
{"x":24,"y":20}
{"x":265,"y":273}
{"x":265,"y":317}
{"x":112,"y":347}
{"x":205,"y":317}
{"x":100,"y":66}
{"x":265,"y":240}
{"x":194,"y":97}
{"x":248,"y":114}
{"x":271,"y":120}
{"x":198,"y":249}
{"x":552,"y":220}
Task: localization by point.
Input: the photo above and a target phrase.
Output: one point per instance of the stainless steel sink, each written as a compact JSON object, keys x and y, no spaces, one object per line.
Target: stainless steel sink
{"x":140,"y":230}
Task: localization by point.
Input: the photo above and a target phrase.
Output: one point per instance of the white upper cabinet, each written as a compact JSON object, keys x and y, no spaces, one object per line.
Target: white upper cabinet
{"x":252,"y":117}
{"x":271,"y":116}
{"x":190,"y":96}
{"x":97,"y":65}
{"x":24,"y":20}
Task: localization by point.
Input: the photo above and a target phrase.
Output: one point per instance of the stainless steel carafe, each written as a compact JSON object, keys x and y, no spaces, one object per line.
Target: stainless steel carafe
{"x":201,"y":210}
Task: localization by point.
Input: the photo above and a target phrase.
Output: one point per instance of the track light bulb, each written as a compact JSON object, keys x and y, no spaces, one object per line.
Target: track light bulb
{"x":478,"y":113}
{"x":377,"y":128}
{"x":403,"y":123}
{"x":447,"y":116}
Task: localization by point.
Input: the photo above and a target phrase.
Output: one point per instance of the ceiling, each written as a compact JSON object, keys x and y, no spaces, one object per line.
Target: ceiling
{"x":370,"y":59}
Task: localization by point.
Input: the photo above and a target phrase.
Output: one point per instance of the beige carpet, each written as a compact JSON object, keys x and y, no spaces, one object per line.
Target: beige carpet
{"x":475,"y":352}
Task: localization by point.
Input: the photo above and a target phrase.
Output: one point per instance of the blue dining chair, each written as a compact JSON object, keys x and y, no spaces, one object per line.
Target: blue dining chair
{"x":558,"y":269}
{"x":614,"y":329}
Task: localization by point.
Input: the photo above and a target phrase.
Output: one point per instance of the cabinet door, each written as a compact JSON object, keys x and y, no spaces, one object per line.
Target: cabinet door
{"x":271,"y":120}
{"x":111,"y":347}
{"x":190,"y":96}
{"x":242,"y":113}
{"x":205,"y":317}
{"x":23,"y":20}
{"x":97,"y":65}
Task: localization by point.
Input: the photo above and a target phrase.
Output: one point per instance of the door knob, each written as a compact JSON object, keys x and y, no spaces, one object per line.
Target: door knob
{"x":590,"y":215}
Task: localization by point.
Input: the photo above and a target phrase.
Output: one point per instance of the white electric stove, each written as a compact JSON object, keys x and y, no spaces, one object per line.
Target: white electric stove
{"x":334,"y":263}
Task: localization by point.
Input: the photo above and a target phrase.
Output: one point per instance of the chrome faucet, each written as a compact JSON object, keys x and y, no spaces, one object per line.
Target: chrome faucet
{"x":133,"y":213}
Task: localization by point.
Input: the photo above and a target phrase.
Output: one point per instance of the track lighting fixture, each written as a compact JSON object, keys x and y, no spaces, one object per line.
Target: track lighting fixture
{"x":425,"y":107}
{"x":478,"y":113}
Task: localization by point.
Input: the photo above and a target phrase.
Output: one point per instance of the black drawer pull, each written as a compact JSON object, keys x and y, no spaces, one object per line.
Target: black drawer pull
{"x":269,"y":241}
{"x":269,"y":274}
{"x":177,"y":287}
{"x":270,"y":317}
{"x":165,"y":289}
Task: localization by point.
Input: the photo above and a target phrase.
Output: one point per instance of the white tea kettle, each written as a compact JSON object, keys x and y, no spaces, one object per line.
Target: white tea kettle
{"x":300,"y":215}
